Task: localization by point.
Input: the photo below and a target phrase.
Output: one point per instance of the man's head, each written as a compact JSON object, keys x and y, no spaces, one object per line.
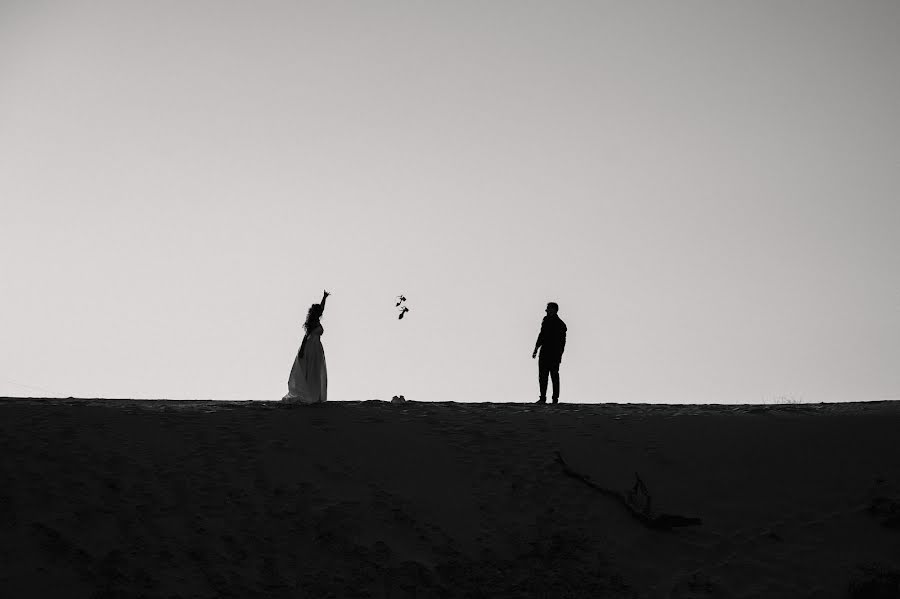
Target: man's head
{"x":552,"y":308}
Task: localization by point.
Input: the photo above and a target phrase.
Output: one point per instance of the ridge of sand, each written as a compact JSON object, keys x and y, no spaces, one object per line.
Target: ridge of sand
{"x":145,"y":498}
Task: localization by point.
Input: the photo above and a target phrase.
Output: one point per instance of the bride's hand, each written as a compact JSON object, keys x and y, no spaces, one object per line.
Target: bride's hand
{"x":326,"y":293}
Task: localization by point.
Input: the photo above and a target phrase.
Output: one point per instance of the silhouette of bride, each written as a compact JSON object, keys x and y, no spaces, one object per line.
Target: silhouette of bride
{"x":308,"y":382}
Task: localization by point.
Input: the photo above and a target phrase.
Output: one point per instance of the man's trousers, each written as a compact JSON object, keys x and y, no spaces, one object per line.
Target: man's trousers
{"x":549,"y":366}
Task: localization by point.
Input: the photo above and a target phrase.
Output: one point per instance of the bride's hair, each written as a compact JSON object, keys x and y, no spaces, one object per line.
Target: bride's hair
{"x":312,"y":317}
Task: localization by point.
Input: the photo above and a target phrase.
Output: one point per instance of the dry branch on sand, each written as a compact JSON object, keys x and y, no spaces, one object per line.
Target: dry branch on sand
{"x":637,"y":501}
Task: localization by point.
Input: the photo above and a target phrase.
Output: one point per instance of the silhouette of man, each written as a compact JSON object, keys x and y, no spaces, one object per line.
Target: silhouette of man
{"x":552,"y":343}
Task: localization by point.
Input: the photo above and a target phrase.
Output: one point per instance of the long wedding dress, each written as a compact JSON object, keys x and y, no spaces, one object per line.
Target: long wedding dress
{"x":308,"y":382}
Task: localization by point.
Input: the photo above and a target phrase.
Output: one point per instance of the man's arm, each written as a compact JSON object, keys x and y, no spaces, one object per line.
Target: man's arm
{"x":539,"y":342}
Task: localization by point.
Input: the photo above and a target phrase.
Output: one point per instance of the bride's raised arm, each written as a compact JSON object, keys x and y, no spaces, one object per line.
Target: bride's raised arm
{"x":325,"y":295}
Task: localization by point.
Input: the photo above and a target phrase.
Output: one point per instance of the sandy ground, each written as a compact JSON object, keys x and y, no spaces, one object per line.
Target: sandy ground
{"x":125,"y":498}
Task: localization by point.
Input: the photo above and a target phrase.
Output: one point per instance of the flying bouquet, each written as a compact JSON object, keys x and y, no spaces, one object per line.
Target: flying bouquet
{"x":401,"y":305}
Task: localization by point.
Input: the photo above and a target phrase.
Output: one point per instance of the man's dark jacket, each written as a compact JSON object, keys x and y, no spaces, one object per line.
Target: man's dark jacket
{"x":552,"y":338}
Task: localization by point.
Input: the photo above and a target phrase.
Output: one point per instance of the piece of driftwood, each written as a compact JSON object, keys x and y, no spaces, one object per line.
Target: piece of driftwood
{"x":637,"y":501}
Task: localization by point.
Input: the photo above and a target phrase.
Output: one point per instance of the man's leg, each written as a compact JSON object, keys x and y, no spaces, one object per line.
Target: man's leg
{"x":554,"y":375}
{"x":543,"y":372}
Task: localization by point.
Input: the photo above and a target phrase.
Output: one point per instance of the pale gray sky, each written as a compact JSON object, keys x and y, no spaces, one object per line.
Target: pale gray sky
{"x":710,"y":191}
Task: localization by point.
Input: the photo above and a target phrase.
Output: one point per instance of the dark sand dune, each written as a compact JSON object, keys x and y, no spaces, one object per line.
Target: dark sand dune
{"x":120,"y":498}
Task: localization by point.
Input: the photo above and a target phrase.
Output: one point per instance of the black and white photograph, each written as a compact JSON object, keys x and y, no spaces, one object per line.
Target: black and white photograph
{"x":479,"y":300}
